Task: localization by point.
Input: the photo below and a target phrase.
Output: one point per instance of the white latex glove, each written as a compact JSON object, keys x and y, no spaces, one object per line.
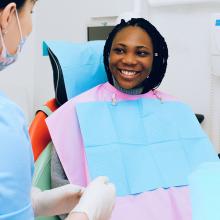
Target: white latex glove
{"x":97,"y":200}
{"x":56,"y":201}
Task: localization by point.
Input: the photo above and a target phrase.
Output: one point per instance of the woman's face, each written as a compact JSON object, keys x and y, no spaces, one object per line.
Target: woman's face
{"x":131,"y":57}
{"x":25,"y":17}
{"x":12,"y":36}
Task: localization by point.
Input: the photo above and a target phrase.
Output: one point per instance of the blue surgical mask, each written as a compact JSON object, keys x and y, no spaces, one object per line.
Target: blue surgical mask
{"x":5,"y":57}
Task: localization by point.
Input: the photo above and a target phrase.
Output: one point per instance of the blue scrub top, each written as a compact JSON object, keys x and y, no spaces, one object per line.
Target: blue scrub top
{"x":16,"y":163}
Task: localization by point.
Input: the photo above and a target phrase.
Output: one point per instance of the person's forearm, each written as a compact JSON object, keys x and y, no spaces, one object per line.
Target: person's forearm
{"x":56,"y":201}
{"x":50,"y":204}
{"x":77,"y":216}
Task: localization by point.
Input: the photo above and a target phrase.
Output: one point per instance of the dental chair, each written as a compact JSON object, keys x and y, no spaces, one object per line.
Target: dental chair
{"x":77,"y":67}
{"x":92,"y":75}
{"x":74,"y":71}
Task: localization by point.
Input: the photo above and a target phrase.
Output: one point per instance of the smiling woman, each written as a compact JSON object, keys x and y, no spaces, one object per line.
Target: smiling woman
{"x":146,"y":141}
{"x":149,"y":48}
{"x":131,"y":57}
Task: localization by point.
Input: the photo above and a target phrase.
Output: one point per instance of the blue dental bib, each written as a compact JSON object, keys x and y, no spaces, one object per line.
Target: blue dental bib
{"x":143,"y":144}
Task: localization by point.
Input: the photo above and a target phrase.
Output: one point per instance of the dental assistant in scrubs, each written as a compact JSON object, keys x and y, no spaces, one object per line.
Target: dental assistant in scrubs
{"x":18,"y":199}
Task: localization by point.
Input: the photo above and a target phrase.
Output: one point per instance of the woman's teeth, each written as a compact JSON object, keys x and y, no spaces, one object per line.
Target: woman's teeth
{"x":128,"y":73}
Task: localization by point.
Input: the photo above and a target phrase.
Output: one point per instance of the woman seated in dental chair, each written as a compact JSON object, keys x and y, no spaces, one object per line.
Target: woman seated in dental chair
{"x":146,"y":141}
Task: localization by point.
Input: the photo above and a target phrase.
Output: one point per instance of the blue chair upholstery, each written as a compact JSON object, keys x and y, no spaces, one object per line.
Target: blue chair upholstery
{"x":77,"y":67}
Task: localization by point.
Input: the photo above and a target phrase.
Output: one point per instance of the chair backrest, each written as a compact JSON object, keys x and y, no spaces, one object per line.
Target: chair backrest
{"x":77,"y":67}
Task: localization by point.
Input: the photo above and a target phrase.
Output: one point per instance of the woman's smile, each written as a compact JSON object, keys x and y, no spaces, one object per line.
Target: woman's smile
{"x":128,"y":74}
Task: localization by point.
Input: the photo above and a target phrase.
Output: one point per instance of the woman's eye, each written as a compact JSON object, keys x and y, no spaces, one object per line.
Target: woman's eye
{"x":142,"y":53}
{"x":118,"y":50}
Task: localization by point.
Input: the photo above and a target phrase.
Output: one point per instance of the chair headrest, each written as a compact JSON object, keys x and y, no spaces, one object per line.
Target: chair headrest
{"x":77,"y":67}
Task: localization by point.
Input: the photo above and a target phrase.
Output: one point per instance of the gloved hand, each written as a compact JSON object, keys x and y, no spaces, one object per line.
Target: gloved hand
{"x":97,"y":200}
{"x":56,"y":201}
